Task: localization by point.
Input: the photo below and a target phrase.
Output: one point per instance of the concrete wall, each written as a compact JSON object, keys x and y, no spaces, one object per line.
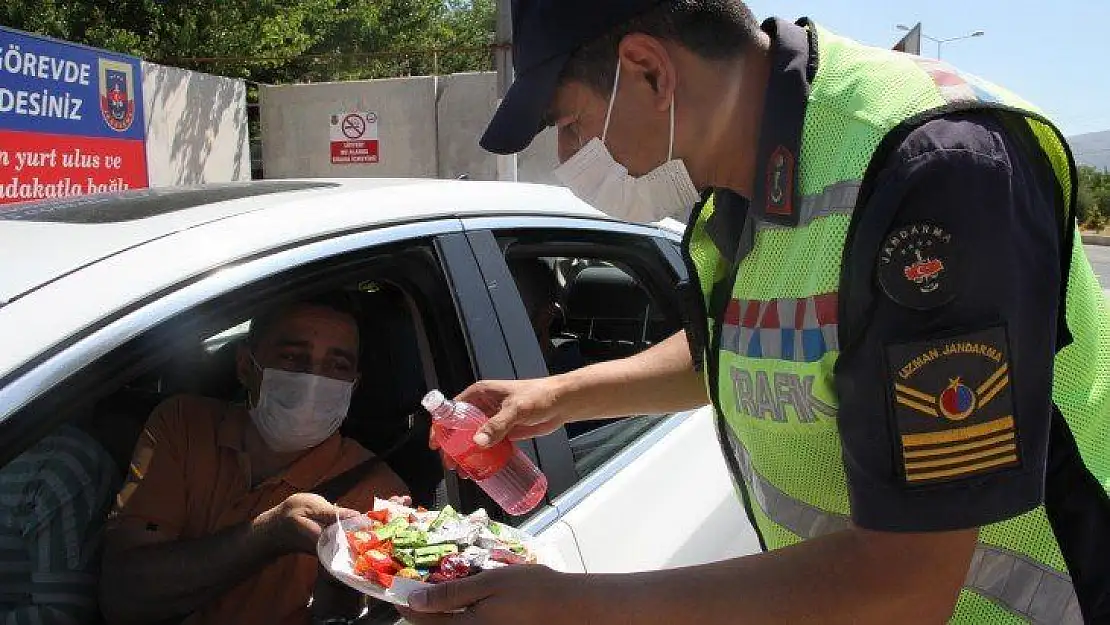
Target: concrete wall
{"x":540,"y":159}
{"x":466,"y":103}
{"x":196,"y":127}
{"x":296,"y":127}
{"x":429,"y":127}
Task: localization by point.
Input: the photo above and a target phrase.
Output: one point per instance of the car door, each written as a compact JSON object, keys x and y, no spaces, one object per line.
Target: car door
{"x":639,"y":493}
{"x":120,"y":368}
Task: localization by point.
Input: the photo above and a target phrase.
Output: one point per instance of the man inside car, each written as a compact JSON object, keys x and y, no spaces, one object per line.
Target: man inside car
{"x":539,"y":291}
{"x":219,"y":523}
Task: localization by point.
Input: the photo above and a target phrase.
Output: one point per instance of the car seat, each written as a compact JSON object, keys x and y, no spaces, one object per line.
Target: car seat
{"x":121,"y":417}
{"x":390,"y":388}
{"x":609,"y":312}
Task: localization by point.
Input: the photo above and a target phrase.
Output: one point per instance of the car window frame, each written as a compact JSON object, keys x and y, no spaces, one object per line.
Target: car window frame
{"x":555,"y":455}
{"x":551,"y":452}
{"x":490,"y":354}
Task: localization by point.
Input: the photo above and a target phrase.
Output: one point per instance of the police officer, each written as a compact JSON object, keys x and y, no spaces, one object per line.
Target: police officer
{"x":906,"y":348}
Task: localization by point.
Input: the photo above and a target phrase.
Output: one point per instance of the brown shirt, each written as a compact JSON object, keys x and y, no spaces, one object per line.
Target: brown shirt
{"x":191,"y":478}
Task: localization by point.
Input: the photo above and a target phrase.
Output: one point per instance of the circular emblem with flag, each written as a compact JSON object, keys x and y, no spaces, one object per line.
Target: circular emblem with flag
{"x":957,"y":401}
{"x":915,"y":267}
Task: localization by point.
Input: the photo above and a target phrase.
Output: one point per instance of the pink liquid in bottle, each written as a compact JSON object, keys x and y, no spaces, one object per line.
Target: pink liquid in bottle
{"x":508,"y":476}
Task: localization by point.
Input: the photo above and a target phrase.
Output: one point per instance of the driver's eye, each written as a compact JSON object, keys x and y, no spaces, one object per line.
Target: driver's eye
{"x":294,"y":362}
{"x":340,"y":369}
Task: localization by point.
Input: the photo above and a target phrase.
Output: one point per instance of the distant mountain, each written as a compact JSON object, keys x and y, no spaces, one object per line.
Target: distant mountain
{"x":1092,"y":149}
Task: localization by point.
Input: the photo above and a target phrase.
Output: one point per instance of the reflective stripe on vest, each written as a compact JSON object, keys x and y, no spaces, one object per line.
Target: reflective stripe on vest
{"x":796,"y":330}
{"x":836,"y":199}
{"x":1015,"y":582}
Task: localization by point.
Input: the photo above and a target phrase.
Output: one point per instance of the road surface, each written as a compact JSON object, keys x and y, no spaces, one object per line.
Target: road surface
{"x":1100,"y":261}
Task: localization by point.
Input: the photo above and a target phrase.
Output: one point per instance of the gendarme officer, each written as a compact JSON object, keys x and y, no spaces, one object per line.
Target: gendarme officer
{"x":906,"y":348}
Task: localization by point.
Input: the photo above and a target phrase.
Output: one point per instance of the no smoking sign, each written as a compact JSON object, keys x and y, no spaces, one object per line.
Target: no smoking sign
{"x":354,"y":138}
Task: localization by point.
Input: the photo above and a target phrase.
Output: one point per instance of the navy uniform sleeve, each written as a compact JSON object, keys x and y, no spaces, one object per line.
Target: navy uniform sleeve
{"x":953,"y":286}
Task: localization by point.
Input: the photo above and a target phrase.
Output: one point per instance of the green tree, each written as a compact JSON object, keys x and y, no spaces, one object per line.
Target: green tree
{"x":468,"y":24}
{"x":1093,"y":197}
{"x":1085,"y":206}
{"x":272,"y":41}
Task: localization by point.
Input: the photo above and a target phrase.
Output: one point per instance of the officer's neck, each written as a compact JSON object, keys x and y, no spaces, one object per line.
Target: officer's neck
{"x":732,"y":107}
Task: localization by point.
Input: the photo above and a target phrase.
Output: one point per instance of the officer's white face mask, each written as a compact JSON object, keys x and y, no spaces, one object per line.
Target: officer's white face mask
{"x":296,"y":411}
{"x":599,"y":180}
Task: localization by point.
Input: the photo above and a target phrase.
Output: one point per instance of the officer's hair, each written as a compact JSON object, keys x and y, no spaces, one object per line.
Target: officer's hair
{"x":336,"y":301}
{"x":713,"y":29}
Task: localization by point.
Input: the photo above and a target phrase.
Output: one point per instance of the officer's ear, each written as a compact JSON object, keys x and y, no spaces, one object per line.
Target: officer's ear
{"x":647,"y":62}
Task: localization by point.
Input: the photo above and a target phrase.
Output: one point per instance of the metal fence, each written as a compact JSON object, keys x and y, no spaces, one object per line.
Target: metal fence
{"x":309,"y":68}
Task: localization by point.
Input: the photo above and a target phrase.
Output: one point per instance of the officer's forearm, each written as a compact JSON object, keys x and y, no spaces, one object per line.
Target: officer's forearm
{"x":854,"y":576}
{"x":659,"y":380}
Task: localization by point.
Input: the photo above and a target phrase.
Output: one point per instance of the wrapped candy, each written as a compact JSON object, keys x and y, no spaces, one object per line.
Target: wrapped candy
{"x":395,"y":549}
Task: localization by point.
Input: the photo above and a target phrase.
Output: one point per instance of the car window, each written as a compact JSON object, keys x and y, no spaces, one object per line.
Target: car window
{"x":411,"y":339}
{"x":230,"y":335}
{"x":594,"y":306}
{"x":410,"y":342}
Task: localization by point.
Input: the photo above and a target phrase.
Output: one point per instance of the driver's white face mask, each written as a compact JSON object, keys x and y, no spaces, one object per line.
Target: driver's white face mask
{"x":599,"y":180}
{"x":296,"y":411}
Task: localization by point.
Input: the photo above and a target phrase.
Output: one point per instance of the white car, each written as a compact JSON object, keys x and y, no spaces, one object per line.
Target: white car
{"x":110,"y":304}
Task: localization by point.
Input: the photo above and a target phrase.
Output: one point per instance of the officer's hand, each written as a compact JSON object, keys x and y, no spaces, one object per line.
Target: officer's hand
{"x":518,"y":409}
{"x":506,"y":596}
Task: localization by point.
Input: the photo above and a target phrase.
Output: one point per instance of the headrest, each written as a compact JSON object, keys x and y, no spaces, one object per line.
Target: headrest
{"x":605,"y":293}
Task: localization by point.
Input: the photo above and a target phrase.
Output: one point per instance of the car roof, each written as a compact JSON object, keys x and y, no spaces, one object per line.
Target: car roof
{"x":41,"y":242}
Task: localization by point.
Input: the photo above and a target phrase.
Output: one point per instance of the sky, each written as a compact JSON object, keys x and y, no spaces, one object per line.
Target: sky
{"x":1054,"y":54}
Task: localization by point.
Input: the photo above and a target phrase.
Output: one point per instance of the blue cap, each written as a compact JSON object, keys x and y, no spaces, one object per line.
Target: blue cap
{"x":545,"y":34}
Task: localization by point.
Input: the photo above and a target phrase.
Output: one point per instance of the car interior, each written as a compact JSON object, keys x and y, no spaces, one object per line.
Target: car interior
{"x":409,"y":344}
{"x":393,"y":350}
{"x":607,"y":313}
{"x":611,"y":314}
{"x":410,"y":338}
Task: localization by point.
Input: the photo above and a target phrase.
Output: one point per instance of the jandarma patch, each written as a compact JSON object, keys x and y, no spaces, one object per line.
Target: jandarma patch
{"x":952,"y":406}
{"x":915,"y":266}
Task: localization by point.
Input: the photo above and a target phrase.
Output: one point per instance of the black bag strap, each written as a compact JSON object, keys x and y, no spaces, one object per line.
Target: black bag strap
{"x":343,"y":483}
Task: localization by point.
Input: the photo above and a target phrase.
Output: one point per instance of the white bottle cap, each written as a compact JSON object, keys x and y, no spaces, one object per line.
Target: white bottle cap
{"x":433,"y":400}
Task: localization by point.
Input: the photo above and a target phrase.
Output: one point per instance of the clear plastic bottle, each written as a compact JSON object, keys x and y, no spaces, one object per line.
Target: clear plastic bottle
{"x":503,"y":471}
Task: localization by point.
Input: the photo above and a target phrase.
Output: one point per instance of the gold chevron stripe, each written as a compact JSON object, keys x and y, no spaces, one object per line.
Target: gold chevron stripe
{"x":960,"y":435}
{"x":952,"y":449}
{"x":996,"y":462}
{"x":912,"y":392}
{"x":994,"y":378}
{"x":986,"y":399}
{"x":929,"y":410}
{"x":962,"y":458}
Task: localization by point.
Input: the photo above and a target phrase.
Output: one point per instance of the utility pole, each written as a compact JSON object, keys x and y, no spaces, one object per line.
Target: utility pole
{"x":503,"y":58}
{"x":939,"y":42}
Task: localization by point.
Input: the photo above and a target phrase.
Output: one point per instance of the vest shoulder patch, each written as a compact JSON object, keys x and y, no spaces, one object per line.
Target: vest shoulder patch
{"x":952,"y":407}
{"x":915,"y":267}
